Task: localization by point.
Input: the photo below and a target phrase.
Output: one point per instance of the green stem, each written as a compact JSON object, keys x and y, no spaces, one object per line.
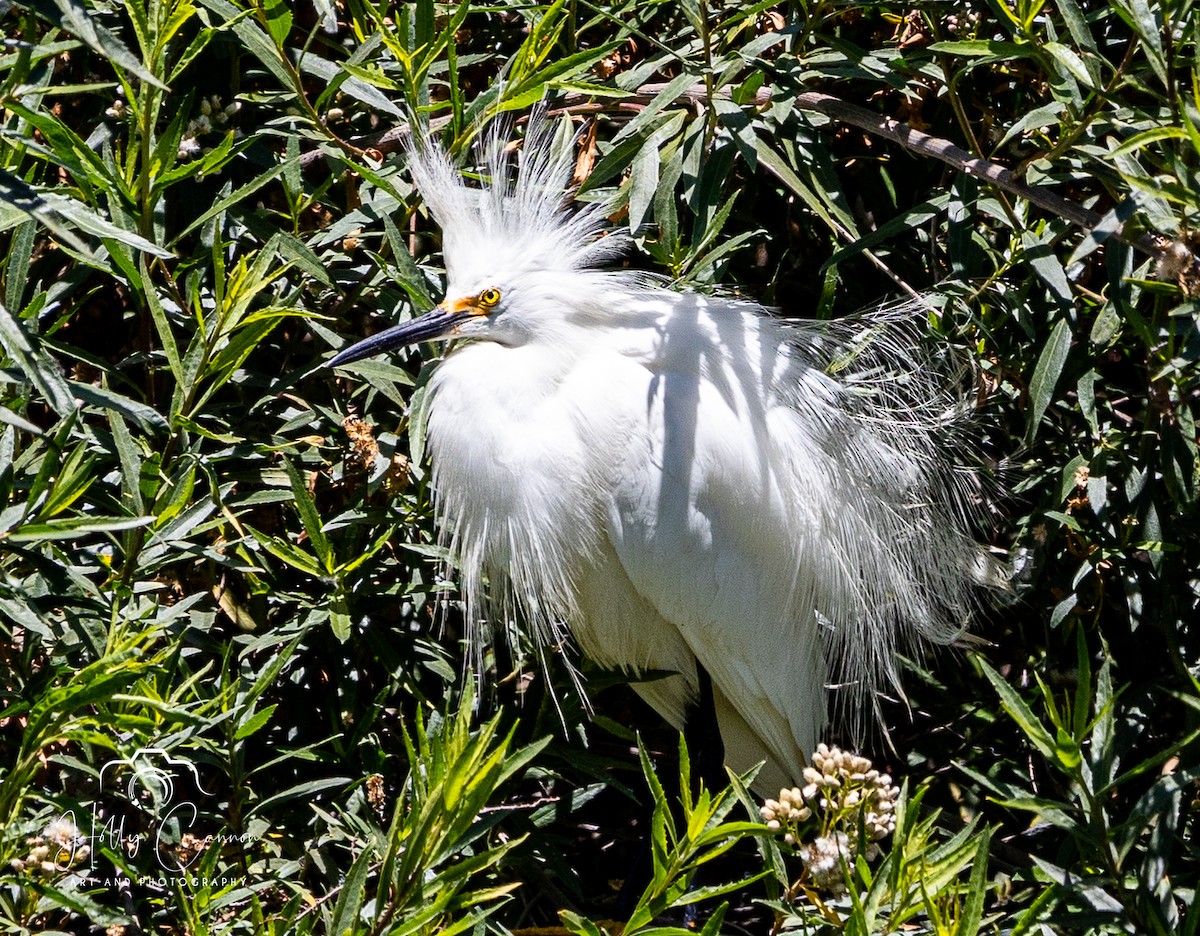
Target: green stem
{"x":710,"y":127}
{"x":964,"y":123}
{"x":145,"y":131}
{"x":1093,"y":110}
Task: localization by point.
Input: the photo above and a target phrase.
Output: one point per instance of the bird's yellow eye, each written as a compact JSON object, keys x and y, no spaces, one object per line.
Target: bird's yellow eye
{"x":489,"y":297}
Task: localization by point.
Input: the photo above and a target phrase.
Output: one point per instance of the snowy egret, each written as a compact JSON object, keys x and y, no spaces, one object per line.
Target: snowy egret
{"x":680,"y":482}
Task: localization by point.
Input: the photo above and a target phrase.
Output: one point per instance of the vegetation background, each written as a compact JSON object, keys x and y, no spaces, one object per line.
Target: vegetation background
{"x":214,"y":548}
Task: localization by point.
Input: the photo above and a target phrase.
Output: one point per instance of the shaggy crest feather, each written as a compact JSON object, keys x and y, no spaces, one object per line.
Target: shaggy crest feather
{"x":518,"y":216}
{"x":678,"y":480}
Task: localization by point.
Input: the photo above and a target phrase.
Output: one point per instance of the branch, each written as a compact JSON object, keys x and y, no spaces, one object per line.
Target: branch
{"x":985,"y":169}
{"x":1185,"y":268}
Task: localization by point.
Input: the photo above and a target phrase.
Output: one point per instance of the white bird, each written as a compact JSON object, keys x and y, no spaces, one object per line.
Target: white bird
{"x":680,"y":482}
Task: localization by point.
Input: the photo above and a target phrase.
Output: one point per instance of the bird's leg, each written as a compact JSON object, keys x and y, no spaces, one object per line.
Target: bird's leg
{"x":702,"y":735}
{"x":706,"y":749}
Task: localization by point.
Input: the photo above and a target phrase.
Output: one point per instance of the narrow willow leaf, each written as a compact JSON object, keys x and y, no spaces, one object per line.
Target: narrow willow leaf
{"x":74,"y":527}
{"x":356,"y":88}
{"x":19,"y":345}
{"x":145,"y":416}
{"x":287,"y":553}
{"x":339,"y":617}
{"x":254,"y":722}
{"x":1045,"y":376}
{"x":1046,"y":264}
{"x":162,"y":324}
{"x":310,"y":519}
{"x":1145,"y":138}
{"x":643,"y":182}
{"x":16,"y":271}
{"x":991,"y":50}
{"x":1021,"y":713}
{"x":257,"y":41}
{"x":8,"y":417}
{"x":279,"y":20}
{"x":1077,"y":25}
{"x":579,"y":925}
{"x":977,"y":888}
{"x":1139,"y":15}
{"x":826,"y":208}
{"x":1069,"y":59}
{"x":63,"y":216}
{"x":235,"y":197}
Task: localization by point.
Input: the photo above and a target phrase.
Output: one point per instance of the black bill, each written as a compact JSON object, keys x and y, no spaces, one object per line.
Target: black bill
{"x":426,"y":327}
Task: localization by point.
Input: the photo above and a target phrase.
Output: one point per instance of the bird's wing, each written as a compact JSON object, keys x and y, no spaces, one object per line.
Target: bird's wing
{"x":701,"y":529}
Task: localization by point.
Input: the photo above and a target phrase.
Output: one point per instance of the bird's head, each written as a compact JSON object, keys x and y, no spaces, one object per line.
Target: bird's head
{"x":513,"y":249}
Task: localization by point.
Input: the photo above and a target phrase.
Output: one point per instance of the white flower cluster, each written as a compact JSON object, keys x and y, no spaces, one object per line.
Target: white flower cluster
{"x":786,"y":811}
{"x":212,"y":117}
{"x":965,"y":22}
{"x":823,"y":861}
{"x":839,"y":789}
{"x":845,"y":782}
{"x":60,"y":847}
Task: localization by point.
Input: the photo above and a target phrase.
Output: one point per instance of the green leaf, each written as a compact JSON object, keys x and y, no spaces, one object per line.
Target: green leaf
{"x":643,"y":182}
{"x":257,"y":42}
{"x":236,"y":197}
{"x":1020,"y":712}
{"x":1069,"y":59}
{"x":339,"y":617}
{"x":1063,"y":608}
{"x":991,"y":50}
{"x":356,"y":88}
{"x":1077,"y":25}
{"x":1140,"y":17}
{"x":146,"y":417}
{"x":1066,"y":750}
{"x":73,"y":528}
{"x":665,"y":98}
{"x":827,"y":207}
{"x":1145,"y":138}
{"x":9,"y":418}
{"x":302,"y":791}
{"x":254,"y":722}
{"x":1040,"y":255}
{"x":309,"y":518}
{"x":73,"y":479}
{"x":162,"y":324}
{"x":1083,"y":687}
{"x":579,"y":925}
{"x":22,"y":349}
{"x":1045,"y":376}
{"x":16,"y":271}
{"x":279,"y":20}
{"x":910,"y":220}
{"x":83,"y":23}
{"x":977,"y":888}
{"x":287,"y":553}
{"x":63,"y":216}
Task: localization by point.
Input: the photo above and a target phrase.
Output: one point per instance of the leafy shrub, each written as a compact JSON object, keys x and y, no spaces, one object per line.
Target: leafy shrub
{"x":218,"y":577}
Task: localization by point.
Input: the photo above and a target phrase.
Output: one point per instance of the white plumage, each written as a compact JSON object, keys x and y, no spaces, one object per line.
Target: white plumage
{"x":672,"y":478}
